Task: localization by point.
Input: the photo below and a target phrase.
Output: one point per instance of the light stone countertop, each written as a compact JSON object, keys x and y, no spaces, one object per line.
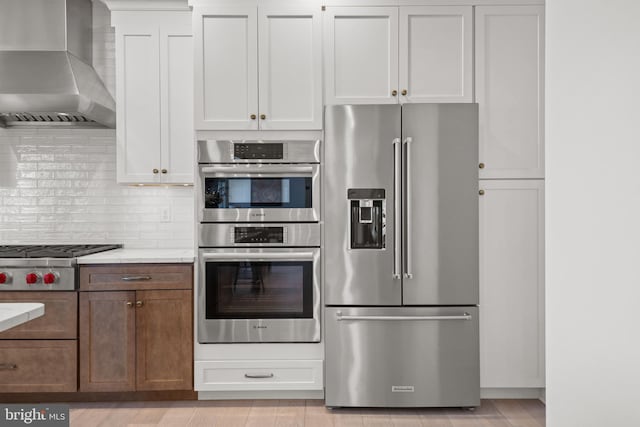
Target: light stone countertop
{"x":139,"y":256}
{"x":16,"y":313}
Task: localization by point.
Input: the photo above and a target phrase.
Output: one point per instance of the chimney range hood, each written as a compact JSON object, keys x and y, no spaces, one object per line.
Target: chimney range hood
{"x":45,"y":76}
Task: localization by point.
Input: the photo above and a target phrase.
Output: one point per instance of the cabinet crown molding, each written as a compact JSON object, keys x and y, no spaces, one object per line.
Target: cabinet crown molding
{"x":130,"y":5}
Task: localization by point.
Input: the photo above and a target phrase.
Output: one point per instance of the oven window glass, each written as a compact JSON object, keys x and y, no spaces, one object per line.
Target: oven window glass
{"x":259,"y":290}
{"x":234,"y":193}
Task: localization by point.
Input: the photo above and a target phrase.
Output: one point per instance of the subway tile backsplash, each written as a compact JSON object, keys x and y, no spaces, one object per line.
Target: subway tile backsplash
{"x":59,"y":186}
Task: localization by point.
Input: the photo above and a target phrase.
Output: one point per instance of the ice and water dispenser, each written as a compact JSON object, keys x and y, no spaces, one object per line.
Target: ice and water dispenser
{"x":368,"y":217}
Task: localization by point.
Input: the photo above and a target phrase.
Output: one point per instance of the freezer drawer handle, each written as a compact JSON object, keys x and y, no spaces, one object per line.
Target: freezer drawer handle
{"x":258,"y":375}
{"x":464,"y":316}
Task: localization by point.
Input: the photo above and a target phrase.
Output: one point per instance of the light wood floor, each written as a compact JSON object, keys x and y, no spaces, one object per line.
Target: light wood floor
{"x":261,"y":413}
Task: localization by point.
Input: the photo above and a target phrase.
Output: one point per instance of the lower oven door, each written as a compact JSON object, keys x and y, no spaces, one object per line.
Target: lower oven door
{"x":259,"y":295}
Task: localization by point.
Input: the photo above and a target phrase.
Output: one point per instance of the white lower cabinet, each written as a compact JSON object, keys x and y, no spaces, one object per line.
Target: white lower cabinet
{"x":512,"y":283}
{"x":254,"y":375}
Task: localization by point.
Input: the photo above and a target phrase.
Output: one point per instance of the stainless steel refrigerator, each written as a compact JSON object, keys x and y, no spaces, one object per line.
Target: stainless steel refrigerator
{"x":401,"y":255}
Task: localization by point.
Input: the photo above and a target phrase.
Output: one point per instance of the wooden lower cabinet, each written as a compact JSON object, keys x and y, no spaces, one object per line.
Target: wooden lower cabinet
{"x":38,"y":365}
{"x":136,"y":340}
{"x":107,"y":341}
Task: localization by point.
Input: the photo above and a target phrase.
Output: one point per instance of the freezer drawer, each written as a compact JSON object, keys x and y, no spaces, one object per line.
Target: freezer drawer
{"x":402,"y":357}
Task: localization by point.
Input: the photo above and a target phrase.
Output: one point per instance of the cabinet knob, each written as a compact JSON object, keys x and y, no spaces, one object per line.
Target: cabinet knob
{"x":156,"y":171}
{"x":253,"y":116}
{"x":129,"y":304}
{"x":404,"y":92}
{"x":139,"y":303}
{"x":481,"y":192}
{"x":481,"y":165}
{"x":263,"y":116}
{"x":164,"y":171}
{"x":394,"y":92}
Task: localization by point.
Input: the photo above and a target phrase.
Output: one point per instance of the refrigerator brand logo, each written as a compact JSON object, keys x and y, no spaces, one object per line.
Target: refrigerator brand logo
{"x":259,"y":327}
{"x":402,"y":389}
{"x":258,"y":215}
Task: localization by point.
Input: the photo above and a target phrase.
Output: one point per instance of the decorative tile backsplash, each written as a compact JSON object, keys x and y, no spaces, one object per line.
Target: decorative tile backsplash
{"x":59,"y":186}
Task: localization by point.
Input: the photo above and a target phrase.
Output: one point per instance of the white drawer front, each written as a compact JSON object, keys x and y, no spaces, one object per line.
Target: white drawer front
{"x":258,"y":375}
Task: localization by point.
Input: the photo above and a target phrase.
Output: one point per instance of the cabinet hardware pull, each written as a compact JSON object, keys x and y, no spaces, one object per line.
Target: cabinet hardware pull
{"x":463,"y":316}
{"x":263,"y":116}
{"x":481,"y":192}
{"x":253,"y":117}
{"x":258,"y":375}
{"x":135,"y":278}
{"x":8,"y":366}
{"x":481,"y":165}
{"x":139,"y":303}
{"x":394,"y":92}
{"x":129,"y":304}
{"x":156,"y":171}
{"x":164,"y":171}
{"x":404,"y":92}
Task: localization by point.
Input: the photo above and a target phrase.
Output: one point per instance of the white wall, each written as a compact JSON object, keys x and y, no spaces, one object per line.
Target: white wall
{"x":593,"y":213}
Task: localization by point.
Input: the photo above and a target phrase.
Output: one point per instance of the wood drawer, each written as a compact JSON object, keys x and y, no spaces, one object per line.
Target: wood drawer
{"x":115,"y":277}
{"x":38,"y":366}
{"x":58,"y":322}
{"x":258,"y":375}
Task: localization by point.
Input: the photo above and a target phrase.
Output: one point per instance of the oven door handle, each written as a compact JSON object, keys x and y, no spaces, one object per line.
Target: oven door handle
{"x":258,"y":256}
{"x":266,"y":170}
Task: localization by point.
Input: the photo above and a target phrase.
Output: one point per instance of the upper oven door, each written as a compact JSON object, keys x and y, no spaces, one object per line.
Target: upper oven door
{"x":260,"y":193}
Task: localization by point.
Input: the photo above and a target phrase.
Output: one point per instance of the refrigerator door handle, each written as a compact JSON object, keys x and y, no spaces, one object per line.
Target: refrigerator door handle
{"x":406,"y":197}
{"x":464,"y":316}
{"x":397,"y":212}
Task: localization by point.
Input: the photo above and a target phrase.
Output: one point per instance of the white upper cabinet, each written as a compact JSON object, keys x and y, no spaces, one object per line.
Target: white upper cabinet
{"x":154,"y":97}
{"x":398,"y":54}
{"x":512,"y":283}
{"x":290,"y":68}
{"x":436,"y":52}
{"x":361,"y":55}
{"x":258,"y":68}
{"x":226,"y":67}
{"x":510,"y":90}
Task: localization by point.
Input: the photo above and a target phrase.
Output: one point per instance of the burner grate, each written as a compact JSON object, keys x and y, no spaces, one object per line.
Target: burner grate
{"x":52,"y":251}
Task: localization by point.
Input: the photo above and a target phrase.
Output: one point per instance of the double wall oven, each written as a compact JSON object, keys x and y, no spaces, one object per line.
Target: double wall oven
{"x":259,"y":241}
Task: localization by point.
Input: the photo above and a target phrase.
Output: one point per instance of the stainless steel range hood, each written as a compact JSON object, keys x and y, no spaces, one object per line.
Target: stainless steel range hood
{"x":45,"y":76}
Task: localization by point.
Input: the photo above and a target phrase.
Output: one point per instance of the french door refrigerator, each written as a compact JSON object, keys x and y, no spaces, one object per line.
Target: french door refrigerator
{"x":401,"y":255}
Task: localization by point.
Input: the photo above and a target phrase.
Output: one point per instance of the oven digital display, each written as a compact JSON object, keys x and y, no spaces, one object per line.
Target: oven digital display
{"x":258,"y":235}
{"x":258,"y":151}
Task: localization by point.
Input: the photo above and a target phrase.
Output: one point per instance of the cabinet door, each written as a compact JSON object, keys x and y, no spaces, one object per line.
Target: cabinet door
{"x":164,"y":359}
{"x":107,"y":341}
{"x":512,"y":283}
{"x":226,"y":64}
{"x":510,"y":90}
{"x":176,"y":82}
{"x":138,"y":112}
{"x":290,"y":68}
{"x":436,"y":54}
{"x":361,"y":55}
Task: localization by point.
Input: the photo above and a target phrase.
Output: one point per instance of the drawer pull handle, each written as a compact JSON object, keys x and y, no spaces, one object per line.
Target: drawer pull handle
{"x":8,"y":366}
{"x":135,"y":278}
{"x":258,"y":375}
{"x":464,"y":316}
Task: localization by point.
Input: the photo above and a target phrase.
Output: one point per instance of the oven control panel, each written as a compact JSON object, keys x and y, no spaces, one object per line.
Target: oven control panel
{"x":259,"y":235}
{"x":256,"y":151}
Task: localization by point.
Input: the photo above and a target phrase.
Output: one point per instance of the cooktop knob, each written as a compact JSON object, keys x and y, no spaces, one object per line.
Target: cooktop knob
{"x":32,"y":278}
{"x":50,"y":278}
{"x":5,"y":277}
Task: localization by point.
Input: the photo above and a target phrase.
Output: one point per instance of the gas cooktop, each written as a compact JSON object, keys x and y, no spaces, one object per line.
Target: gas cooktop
{"x":43,"y":267}
{"x":52,"y":251}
